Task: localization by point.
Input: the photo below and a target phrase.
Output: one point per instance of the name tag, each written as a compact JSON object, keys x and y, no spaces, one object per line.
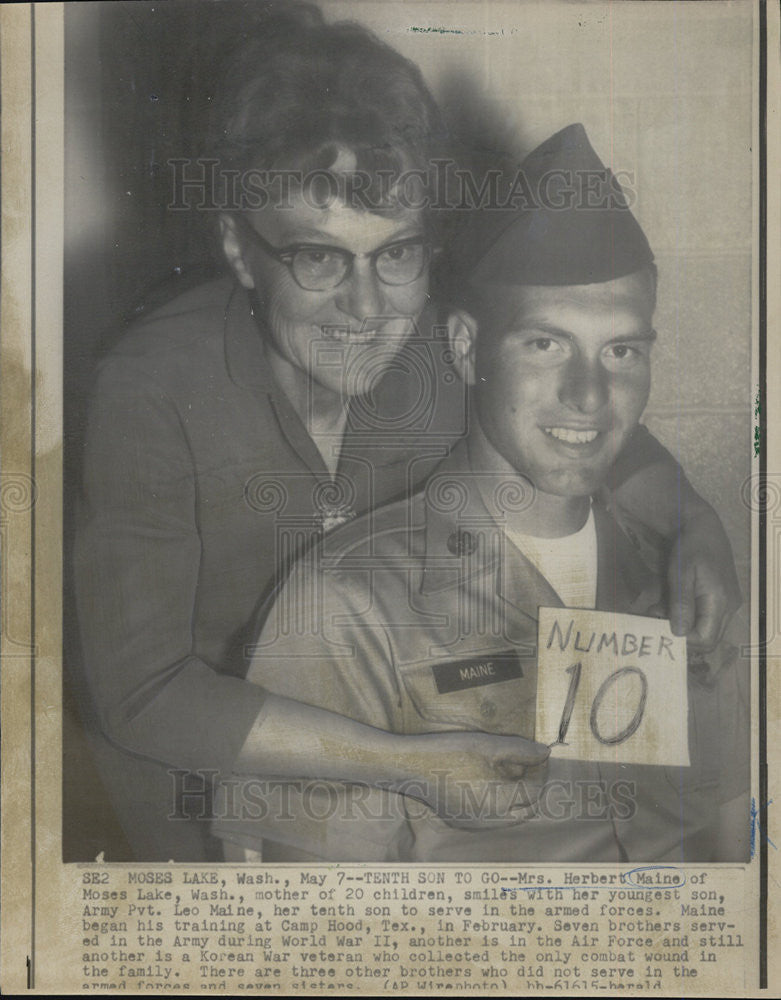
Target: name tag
{"x":476,"y":671}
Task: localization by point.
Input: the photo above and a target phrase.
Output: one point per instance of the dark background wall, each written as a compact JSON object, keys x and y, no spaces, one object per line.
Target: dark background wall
{"x":134,"y":99}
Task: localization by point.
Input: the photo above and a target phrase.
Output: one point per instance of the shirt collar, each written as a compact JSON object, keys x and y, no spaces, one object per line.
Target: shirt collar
{"x":464,"y":537}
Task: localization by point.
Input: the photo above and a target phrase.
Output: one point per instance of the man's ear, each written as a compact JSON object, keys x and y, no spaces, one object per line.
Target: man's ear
{"x":462,"y":334}
{"x":233,"y":248}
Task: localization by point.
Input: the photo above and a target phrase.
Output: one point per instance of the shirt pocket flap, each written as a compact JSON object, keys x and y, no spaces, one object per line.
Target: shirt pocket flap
{"x":493,"y":692}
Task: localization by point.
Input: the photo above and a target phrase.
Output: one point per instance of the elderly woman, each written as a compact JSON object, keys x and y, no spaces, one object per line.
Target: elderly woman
{"x":235,"y":425}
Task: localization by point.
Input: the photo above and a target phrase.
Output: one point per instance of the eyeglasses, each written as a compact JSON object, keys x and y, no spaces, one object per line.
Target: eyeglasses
{"x":320,"y":268}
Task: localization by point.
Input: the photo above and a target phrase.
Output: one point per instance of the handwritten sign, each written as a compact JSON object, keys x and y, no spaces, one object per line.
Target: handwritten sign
{"x":612,"y":687}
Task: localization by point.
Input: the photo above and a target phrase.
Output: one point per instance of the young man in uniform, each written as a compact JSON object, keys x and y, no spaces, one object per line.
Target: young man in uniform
{"x":424,"y":614}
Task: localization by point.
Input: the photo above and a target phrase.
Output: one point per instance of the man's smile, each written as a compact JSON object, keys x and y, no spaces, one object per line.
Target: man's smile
{"x":571,"y":435}
{"x":347,"y":335}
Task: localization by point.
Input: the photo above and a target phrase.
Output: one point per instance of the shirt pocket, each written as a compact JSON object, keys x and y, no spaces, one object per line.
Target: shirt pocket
{"x":492,"y":692}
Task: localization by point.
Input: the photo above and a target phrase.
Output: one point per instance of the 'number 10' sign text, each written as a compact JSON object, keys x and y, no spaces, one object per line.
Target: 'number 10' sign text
{"x":611,"y":687}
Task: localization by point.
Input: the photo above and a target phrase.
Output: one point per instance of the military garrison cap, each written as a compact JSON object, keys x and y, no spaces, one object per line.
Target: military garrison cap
{"x":564,"y":220}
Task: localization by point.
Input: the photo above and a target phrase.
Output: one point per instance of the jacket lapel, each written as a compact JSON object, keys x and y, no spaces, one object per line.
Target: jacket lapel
{"x":246,"y":361}
{"x":521,"y":584}
{"x":466,"y":540}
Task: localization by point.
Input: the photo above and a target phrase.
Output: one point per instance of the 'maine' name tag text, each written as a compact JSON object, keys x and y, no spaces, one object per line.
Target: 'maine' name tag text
{"x":458,"y":675}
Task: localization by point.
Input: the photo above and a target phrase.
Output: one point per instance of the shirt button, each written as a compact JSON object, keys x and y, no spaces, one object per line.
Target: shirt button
{"x":462,"y":543}
{"x":488,"y":709}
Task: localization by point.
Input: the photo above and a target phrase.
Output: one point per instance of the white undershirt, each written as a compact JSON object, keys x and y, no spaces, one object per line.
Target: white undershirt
{"x":569,"y":564}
